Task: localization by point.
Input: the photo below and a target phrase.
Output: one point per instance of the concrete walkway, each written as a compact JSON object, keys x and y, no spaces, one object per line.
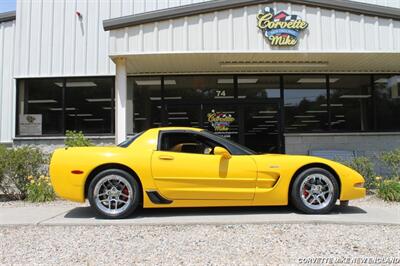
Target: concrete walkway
{"x":72,"y":215}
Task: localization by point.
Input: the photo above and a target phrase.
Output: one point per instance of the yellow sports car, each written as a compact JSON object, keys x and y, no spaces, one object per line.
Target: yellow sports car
{"x":190,"y":167}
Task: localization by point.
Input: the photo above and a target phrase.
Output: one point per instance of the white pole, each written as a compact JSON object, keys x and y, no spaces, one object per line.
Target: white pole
{"x":120,"y":100}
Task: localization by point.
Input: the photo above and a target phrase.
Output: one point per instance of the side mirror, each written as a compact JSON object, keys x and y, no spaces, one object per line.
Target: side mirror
{"x":223,"y":152}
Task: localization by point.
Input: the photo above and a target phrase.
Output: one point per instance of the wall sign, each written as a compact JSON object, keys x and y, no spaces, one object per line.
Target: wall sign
{"x":280,"y":29}
{"x":220,"y":121}
{"x":30,"y":124}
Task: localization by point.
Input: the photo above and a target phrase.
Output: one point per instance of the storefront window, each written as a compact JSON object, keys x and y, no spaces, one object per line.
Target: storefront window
{"x":305,"y":103}
{"x":88,"y":103}
{"x":351,"y":102}
{"x":258,"y":87}
{"x":198,"y":87}
{"x":52,"y":106}
{"x":40,"y":107}
{"x":387,"y":93}
{"x":144,"y":103}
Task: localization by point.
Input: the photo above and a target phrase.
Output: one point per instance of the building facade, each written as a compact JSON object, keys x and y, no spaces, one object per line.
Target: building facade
{"x":294,"y":76}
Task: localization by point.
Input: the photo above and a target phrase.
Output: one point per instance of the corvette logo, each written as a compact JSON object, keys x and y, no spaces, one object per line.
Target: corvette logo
{"x":280,"y":29}
{"x":220,"y":121}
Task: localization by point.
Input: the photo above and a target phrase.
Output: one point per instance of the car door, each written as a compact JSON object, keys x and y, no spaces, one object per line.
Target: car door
{"x":195,"y":176}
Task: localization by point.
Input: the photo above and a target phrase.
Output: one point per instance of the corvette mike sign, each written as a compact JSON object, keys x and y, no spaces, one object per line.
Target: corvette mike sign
{"x":281,"y":29}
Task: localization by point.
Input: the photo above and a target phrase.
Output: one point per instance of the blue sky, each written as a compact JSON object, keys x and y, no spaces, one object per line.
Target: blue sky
{"x":7,"y":5}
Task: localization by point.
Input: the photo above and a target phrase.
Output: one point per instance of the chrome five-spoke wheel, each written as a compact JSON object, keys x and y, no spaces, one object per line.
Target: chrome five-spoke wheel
{"x":314,"y":191}
{"x":114,"y":193}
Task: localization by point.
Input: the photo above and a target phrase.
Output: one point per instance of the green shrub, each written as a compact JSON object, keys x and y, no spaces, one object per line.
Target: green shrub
{"x":389,"y":190}
{"x":76,"y":139}
{"x":39,"y":189}
{"x":19,"y":163}
{"x":3,"y":154}
{"x":365,"y":167}
{"x":391,"y":159}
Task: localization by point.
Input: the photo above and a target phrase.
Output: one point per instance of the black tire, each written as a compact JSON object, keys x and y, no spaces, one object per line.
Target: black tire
{"x":132,"y":205}
{"x":296,"y":197}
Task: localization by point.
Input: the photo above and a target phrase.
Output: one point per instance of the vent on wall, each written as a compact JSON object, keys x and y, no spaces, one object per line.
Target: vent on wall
{"x":286,"y":64}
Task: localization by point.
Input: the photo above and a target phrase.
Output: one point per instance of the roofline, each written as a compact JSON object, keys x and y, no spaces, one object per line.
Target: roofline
{"x":7,"y":16}
{"x":218,"y":5}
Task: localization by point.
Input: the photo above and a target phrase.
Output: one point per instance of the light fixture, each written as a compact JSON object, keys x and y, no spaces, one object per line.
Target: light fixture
{"x":242,"y":96}
{"x":155,"y":99}
{"x":316,"y":111}
{"x":268,"y":112}
{"x":271,"y":122}
{"x":299,"y":125}
{"x":60,"y":109}
{"x":223,"y":97}
{"x":155,"y":82}
{"x":106,"y":107}
{"x":77,"y":84}
{"x":274,"y":64}
{"x":80,"y":115}
{"x":178,"y":118}
{"x":350,"y":96}
{"x":263,"y":116}
{"x":332,"y":105}
{"x":173,"y":98}
{"x":42,"y":101}
{"x":339,"y":115}
{"x":177,"y":113}
{"x":140,"y":118}
{"x":310,"y":121}
{"x":382,"y":80}
{"x":98,"y":100}
{"x":240,"y":81}
{"x":93,"y":119}
{"x":304,"y":116}
{"x":316,"y":80}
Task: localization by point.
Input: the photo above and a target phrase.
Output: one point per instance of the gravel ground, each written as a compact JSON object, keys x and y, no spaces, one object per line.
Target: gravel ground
{"x":198,"y":244}
{"x":195,"y":244}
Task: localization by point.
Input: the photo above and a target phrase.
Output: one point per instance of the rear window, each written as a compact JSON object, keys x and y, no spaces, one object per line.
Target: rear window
{"x":129,"y":141}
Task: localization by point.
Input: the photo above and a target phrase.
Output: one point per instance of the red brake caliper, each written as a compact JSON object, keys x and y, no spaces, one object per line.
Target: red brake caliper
{"x":126,"y":192}
{"x":305,"y":193}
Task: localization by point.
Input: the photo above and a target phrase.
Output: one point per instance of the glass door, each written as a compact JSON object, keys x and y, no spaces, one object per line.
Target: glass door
{"x":261,"y":129}
{"x":222,"y":120}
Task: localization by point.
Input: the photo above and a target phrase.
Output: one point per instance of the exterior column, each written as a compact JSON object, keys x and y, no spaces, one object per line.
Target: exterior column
{"x":120,"y":99}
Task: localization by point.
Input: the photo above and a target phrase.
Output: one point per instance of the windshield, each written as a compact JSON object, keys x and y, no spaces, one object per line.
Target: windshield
{"x":129,"y":141}
{"x":233,"y":147}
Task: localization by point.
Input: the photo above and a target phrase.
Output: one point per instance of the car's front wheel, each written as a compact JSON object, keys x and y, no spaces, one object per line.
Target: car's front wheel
{"x":314,"y":191}
{"x":114,"y":193}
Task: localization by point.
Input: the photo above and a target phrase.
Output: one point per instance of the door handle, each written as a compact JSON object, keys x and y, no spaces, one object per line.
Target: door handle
{"x":166,"y":157}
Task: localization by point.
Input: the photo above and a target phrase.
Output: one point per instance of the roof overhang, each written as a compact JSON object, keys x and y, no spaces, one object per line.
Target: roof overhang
{"x":218,"y":5}
{"x":7,"y":16}
{"x":261,"y":62}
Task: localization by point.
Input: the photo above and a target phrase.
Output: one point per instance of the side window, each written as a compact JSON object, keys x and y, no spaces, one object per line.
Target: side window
{"x":186,"y":143}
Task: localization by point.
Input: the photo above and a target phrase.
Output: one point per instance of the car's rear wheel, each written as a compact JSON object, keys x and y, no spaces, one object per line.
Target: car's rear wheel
{"x":114,"y":194}
{"x":314,"y":191}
